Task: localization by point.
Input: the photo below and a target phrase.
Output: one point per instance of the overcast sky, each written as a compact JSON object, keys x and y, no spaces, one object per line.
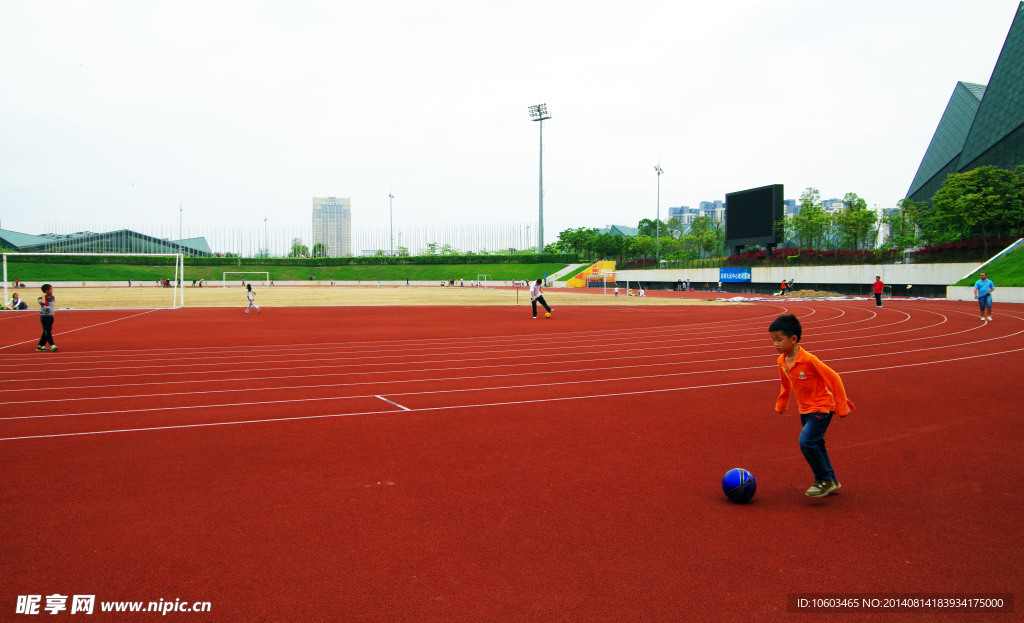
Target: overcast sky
{"x":114,"y":112}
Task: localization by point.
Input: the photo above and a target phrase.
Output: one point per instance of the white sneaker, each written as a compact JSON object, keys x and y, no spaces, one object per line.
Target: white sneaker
{"x":989,"y":318}
{"x":982,"y":318}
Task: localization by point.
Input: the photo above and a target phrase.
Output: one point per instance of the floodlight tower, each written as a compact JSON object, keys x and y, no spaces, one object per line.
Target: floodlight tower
{"x":391,"y":221}
{"x":657,"y":227}
{"x":539,"y":112}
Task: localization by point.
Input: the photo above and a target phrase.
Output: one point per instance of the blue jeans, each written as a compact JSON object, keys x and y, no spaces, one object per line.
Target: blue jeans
{"x":812,"y":444}
{"x":985,"y":300}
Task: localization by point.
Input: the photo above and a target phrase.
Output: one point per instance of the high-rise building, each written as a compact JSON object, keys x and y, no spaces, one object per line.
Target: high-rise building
{"x":332,"y":225}
{"x":833,"y":205}
{"x":714,"y":210}
{"x":678,"y":213}
{"x":982,"y":124}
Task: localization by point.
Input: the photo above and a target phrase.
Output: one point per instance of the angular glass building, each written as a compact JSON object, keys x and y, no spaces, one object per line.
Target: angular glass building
{"x":982,"y":125}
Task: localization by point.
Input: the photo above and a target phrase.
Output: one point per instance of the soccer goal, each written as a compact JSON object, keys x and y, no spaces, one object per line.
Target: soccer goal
{"x":241,"y":278}
{"x":601,"y":280}
{"x":97,"y":280}
{"x":484,"y":281}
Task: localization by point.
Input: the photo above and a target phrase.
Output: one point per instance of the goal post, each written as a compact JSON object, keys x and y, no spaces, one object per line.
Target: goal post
{"x":600,"y":278}
{"x":245,"y":277}
{"x":482,"y":280}
{"x":97,"y":280}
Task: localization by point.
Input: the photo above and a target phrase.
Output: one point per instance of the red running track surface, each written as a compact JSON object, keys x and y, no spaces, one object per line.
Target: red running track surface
{"x":473,"y":464}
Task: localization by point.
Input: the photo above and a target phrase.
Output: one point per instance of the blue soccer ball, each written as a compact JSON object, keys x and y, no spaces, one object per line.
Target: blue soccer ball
{"x":739,"y":485}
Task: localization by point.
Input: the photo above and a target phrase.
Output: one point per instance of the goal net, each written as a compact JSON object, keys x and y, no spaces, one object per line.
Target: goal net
{"x":243,"y":277}
{"x":96,"y":280}
{"x":484,"y":281}
{"x":601,"y":280}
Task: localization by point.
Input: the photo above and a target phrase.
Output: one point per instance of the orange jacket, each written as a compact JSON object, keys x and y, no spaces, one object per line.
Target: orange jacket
{"x":817,"y":387}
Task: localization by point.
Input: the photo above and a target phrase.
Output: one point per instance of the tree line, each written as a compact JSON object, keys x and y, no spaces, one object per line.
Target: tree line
{"x":813,"y":227}
{"x":986,"y":203}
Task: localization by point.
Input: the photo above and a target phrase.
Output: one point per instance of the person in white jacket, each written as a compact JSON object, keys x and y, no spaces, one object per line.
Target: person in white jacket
{"x":16,"y":302}
{"x":249,"y":294}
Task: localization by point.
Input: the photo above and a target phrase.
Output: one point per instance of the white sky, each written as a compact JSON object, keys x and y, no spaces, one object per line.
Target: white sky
{"x":113,"y":112}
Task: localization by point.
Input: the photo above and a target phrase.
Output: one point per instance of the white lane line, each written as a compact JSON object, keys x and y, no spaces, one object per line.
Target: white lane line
{"x":72,"y":359}
{"x":619,"y":355}
{"x":99,"y":324}
{"x":466,"y":377}
{"x":391,"y":402}
{"x":774,"y":379}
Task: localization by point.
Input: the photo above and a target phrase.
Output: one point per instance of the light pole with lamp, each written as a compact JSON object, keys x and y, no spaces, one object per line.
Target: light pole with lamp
{"x":391,"y":221}
{"x":539,"y":112}
{"x":658,"y":170}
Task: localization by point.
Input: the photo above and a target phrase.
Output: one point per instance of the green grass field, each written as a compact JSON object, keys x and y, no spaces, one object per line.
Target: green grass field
{"x":432,"y":272}
{"x":1007,"y":271}
{"x":569,"y":275}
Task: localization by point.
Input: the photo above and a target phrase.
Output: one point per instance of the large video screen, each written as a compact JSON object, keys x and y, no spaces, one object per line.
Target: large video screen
{"x":751,"y":215}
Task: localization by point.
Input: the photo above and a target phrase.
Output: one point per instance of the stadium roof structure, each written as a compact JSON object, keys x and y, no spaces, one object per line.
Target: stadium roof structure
{"x":18,"y":241}
{"x":619,"y":230}
{"x":983,"y":125}
{"x":120,"y":241}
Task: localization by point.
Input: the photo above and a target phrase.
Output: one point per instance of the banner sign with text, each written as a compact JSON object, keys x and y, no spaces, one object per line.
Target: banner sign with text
{"x":734,"y":275}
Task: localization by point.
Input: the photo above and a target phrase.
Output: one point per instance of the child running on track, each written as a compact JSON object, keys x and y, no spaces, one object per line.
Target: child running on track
{"x":249,"y":294}
{"x":46,"y":302}
{"x":537,"y":297}
{"x":819,"y":395}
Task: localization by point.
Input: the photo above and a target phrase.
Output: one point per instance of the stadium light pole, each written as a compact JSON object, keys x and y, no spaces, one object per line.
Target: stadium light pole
{"x":539,"y":112}
{"x":657,"y":238}
{"x":391,"y":221}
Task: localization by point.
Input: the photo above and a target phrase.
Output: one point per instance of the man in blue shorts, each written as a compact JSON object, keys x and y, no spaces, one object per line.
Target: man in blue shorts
{"x":983,"y":292}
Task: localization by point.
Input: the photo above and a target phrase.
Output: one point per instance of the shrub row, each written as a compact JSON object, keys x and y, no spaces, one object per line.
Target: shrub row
{"x":974,"y":249}
{"x":309,"y":262}
{"x":812,"y":257}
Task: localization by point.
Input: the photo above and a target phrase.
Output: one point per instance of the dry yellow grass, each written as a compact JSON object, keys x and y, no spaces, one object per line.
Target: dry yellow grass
{"x":810,"y":294}
{"x":309,"y":296}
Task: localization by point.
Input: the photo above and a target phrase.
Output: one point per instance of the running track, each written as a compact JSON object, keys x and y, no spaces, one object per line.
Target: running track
{"x":472,"y":464}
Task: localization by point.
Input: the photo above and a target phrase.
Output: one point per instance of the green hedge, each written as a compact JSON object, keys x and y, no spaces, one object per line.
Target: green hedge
{"x":93,"y":260}
{"x":310,"y":262}
{"x":411,"y":260}
{"x":86,"y":268}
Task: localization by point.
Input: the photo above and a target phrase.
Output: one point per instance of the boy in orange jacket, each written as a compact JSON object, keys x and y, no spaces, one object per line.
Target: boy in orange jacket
{"x":819,"y":395}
